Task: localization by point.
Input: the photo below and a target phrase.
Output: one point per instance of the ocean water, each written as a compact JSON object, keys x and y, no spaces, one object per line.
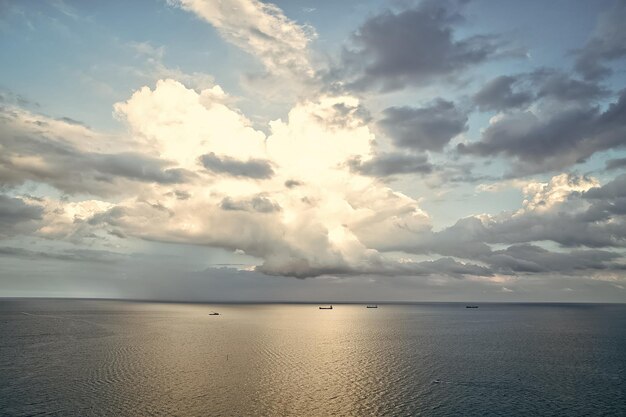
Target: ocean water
{"x":111,"y":358}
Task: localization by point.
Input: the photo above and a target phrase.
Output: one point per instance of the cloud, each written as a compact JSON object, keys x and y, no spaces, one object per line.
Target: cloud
{"x":252,"y":168}
{"x":544,"y":85}
{"x":259,"y":204}
{"x":607,"y":44}
{"x":448,"y":266}
{"x":465,"y":239}
{"x":75,"y":255}
{"x":303,"y":230}
{"x":413,"y":47}
{"x":315,"y":226}
{"x":386,"y":164}
{"x":137,"y":167}
{"x":333,"y":218}
{"x":180,"y":124}
{"x":292,"y":183}
{"x":323,"y":211}
{"x":569,"y":210}
{"x":558,"y":211}
{"x":563,"y":87}
{"x":498,"y":94}
{"x":617,"y":163}
{"x":528,"y":258}
{"x":424,"y":128}
{"x":64,"y":154}
{"x":615,"y":188}
{"x":552,"y":138}
{"x":261,"y":29}
{"x":439,"y":267}
{"x":17,"y":216}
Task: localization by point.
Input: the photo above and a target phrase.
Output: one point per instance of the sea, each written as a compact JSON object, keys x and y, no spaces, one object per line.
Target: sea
{"x":63,"y":357}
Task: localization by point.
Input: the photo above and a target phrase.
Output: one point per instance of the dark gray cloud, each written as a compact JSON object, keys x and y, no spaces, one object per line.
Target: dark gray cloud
{"x":455,"y":269}
{"x":528,"y":258}
{"x":498,"y":94}
{"x":111,"y":216}
{"x":424,"y":128}
{"x":609,"y":212}
{"x":565,"y":229}
{"x":607,"y":44}
{"x":301,"y":268}
{"x":561,"y":86}
{"x":179,"y":194}
{"x":252,"y":168}
{"x":31,"y":151}
{"x":508,"y":92}
{"x":259,"y":204}
{"x":617,"y":163}
{"x":17,"y":216}
{"x":15,"y":210}
{"x":612,"y":189}
{"x":387,"y":164}
{"x":564,"y":137}
{"x":344,"y":115}
{"x":72,"y":171}
{"x":292,"y":183}
{"x":393,"y":50}
{"x":137,"y":167}
{"x":76,"y":255}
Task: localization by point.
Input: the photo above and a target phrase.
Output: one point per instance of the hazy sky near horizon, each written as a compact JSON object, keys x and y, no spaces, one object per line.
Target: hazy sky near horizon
{"x":313,"y":150}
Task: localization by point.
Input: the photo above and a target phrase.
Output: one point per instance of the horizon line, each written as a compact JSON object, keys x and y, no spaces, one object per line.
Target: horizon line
{"x":312,"y":302}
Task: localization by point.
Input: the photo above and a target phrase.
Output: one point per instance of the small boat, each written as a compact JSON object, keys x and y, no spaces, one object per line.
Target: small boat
{"x":471,"y":306}
{"x":372,"y":306}
{"x":437,"y":381}
{"x":330,"y":307}
{"x":213,"y":313}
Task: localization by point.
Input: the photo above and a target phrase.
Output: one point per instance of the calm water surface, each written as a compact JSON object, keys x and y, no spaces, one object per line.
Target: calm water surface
{"x":104,"y":358}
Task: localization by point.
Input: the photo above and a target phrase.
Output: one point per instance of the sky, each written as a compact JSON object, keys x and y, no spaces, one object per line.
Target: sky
{"x":205,"y":150}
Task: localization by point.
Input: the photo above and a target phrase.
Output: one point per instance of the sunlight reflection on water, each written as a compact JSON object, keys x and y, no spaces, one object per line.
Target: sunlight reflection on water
{"x":123,"y":358}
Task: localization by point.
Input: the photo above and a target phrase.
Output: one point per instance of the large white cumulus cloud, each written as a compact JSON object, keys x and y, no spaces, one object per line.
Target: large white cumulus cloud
{"x":311,"y":216}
